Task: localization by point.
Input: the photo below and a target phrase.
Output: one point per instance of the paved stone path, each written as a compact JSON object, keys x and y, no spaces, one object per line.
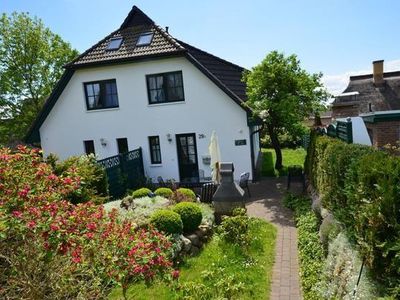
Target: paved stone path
{"x":266,"y":203}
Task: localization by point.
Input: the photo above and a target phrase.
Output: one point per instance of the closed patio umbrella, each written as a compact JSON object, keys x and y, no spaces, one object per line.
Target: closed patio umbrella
{"x":215,"y":155}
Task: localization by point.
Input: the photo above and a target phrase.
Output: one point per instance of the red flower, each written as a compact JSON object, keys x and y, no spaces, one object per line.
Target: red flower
{"x":91,"y":226}
{"x":175,"y":274}
{"x":17,"y":214}
{"x":89,"y":235}
{"x":54,"y":227}
{"x":31,"y":224}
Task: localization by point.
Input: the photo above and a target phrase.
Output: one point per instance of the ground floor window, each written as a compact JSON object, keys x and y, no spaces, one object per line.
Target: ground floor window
{"x":89,"y":147}
{"x":155,"y":150}
{"x":122,"y":145}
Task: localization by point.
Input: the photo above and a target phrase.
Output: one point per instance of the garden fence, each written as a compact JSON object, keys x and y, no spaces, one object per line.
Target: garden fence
{"x":124,"y":171}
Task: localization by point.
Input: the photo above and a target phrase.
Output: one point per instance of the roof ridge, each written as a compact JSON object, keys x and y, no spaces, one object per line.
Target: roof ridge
{"x":134,"y":10}
{"x":214,"y":56}
{"x":368,"y":76}
{"x":169,"y":37}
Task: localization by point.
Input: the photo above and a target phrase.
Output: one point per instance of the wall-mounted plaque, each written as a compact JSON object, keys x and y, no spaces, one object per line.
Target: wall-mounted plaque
{"x":240,"y":142}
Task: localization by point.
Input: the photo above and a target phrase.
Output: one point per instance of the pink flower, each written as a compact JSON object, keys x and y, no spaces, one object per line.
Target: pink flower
{"x":24,"y":192}
{"x":54,"y":227}
{"x":31,"y":224}
{"x":175,"y":274}
{"x":67,"y":181}
{"x":89,"y":235}
{"x":91,"y":226}
{"x":17,"y":214}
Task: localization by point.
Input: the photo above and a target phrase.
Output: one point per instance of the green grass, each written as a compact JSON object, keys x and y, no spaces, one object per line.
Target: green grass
{"x":218,"y":268}
{"x":290,"y":157}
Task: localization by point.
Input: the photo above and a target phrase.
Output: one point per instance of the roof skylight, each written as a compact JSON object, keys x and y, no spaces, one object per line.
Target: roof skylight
{"x":114,"y":43}
{"x":144,"y":39}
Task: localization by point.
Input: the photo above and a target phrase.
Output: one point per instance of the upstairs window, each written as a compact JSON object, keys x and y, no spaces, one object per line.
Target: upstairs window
{"x":165,"y":87}
{"x":101,"y":94}
{"x":144,"y":39}
{"x":114,"y":43}
{"x":155,"y":150}
{"x":89,"y":147}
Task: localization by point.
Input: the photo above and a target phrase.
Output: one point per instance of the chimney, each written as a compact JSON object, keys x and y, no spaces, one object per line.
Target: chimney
{"x":378,"y":72}
{"x":166,"y":28}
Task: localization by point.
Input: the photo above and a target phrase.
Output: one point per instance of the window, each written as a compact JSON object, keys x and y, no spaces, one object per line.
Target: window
{"x":166,"y":87}
{"x":89,"y":147}
{"x":155,"y":150}
{"x":114,"y":43}
{"x":101,"y":94}
{"x":122,"y":145}
{"x":144,"y":39}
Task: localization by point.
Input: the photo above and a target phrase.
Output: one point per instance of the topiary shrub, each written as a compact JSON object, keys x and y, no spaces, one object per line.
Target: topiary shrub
{"x":190,"y":214}
{"x":142,"y":192}
{"x":167,"y":221}
{"x":164,"y":192}
{"x":184,"y":195}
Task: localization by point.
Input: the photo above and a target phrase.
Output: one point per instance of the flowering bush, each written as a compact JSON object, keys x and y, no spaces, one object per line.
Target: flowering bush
{"x":50,"y":248}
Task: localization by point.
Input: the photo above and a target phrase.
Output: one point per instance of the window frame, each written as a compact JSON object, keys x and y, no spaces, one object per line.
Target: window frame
{"x":101,"y":83}
{"x":152,"y":158}
{"x":86,"y":148}
{"x":120,"y":39}
{"x":164,"y":75}
{"x":142,"y":35}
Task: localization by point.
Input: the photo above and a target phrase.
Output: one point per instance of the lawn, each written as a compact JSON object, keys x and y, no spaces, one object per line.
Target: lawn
{"x":290,"y":157}
{"x":222,"y":270}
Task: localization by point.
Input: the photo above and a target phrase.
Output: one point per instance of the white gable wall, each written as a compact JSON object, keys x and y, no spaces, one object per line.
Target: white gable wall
{"x":206,"y":108}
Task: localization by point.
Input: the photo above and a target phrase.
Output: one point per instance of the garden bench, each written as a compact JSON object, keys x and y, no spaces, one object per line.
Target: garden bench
{"x":207,"y":191}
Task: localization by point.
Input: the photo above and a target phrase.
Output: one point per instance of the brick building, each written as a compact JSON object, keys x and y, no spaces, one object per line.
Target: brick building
{"x":376,"y":98}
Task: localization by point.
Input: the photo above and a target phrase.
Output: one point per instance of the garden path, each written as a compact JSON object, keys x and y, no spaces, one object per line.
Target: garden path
{"x":266,"y":203}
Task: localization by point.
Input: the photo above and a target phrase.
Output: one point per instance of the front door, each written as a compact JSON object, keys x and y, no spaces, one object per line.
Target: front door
{"x":187,"y":157}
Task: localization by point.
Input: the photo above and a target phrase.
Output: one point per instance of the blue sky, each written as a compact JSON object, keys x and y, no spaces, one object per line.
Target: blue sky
{"x":337,"y":38}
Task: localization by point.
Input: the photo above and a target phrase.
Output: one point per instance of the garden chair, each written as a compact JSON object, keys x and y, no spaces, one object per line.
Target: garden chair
{"x":207,"y":192}
{"x":244,"y":182}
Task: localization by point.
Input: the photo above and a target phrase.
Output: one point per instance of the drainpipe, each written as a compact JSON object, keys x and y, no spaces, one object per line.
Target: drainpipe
{"x":253,"y":164}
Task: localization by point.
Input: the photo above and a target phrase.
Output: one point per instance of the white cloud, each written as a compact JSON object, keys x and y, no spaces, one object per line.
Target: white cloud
{"x":335,"y":84}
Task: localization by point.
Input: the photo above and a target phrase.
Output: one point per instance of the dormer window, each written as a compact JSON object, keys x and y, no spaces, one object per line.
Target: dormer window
{"x":114,"y":43}
{"x":144,"y":39}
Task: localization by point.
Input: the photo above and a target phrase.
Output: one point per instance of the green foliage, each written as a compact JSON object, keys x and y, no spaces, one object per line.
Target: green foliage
{"x":208,"y":214}
{"x":190,"y":214}
{"x":31,"y":62}
{"x":283,"y":95}
{"x":184,"y":195}
{"x":93,"y":178}
{"x":311,"y":252}
{"x":142,"y":192}
{"x":164,"y":192}
{"x":341,"y":271}
{"x":360,"y":186}
{"x":221,"y":271}
{"x":235,"y":229}
{"x":290,"y":157}
{"x":167,"y":221}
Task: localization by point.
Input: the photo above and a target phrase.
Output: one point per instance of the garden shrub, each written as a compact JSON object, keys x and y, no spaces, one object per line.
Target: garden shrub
{"x":235,"y":228}
{"x":208,"y":214}
{"x":167,"y":221}
{"x":53,"y":249}
{"x":164,"y":192}
{"x":184,"y":195}
{"x":360,"y":185}
{"x":142,"y":192}
{"x":190,"y":214}
{"x":93,"y":183}
{"x":311,"y":252}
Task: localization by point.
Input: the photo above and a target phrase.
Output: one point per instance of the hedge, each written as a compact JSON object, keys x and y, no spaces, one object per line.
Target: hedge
{"x":360,"y":185}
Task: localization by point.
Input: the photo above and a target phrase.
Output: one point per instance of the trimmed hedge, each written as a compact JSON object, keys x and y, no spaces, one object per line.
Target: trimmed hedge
{"x":142,"y":192}
{"x":167,"y":221}
{"x":164,"y":192}
{"x":360,"y":185}
{"x":187,"y":193}
{"x":190,"y":214}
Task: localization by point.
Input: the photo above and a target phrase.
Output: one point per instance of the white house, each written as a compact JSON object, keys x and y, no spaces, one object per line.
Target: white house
{"x":140,"y":87}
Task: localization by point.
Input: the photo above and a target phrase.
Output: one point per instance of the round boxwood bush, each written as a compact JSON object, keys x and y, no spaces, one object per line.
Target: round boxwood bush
{"x":143,"y":192}
{"x":190,"y":214}
{"x":167,"y":221}
{"x":164,"y":192}
{"x":187,"y":193}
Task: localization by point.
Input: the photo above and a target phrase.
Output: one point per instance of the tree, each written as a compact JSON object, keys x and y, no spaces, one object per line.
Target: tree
{"x":31,"y":61}
{"x":283,"y":95}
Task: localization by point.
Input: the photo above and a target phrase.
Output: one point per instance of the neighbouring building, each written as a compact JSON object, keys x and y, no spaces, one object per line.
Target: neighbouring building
{"x":141,"y":87}
{"x":376,"y":98}
{"x":378,"y":91}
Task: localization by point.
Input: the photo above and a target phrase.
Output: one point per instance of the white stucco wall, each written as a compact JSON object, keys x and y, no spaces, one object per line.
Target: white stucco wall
{"x":206,"y":108}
